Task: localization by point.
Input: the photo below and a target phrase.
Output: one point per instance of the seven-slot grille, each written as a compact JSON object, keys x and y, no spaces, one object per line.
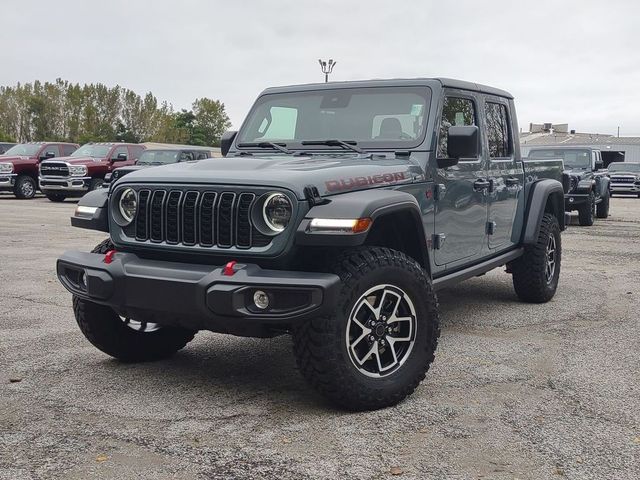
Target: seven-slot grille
{"x":191,"y":217}
{"x":54,"y":169}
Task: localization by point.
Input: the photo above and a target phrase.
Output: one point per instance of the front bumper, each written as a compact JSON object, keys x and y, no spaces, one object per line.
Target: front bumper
{"x":7,"y":181}
{"x":199,"y":297}
{"x":64,"y":184}
{"x":625,"y":187}
{"x":573,"y":201}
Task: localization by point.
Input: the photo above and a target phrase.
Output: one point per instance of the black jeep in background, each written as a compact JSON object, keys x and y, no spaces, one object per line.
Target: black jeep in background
{"x":589,"y":191}
{"x":339,"y":210}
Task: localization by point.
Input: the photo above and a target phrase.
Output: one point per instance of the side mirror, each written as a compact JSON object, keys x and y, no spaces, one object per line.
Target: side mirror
{"x":226,"y":141}
{"x":463,"y":142}
{"x":122,"y":157}
{"x":599,"y":166}
{"x":48,"y":155}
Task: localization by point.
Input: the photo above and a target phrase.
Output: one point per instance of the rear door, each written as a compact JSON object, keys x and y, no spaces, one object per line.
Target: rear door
{"x":461,"y":209}
{"x":505,"y":171}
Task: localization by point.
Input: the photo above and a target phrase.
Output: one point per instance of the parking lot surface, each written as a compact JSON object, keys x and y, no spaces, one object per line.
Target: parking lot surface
{"x":516,"y":390}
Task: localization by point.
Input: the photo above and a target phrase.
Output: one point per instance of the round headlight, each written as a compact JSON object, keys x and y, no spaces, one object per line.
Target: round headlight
{"x":128,"y":204}
{"x":277,"y":211}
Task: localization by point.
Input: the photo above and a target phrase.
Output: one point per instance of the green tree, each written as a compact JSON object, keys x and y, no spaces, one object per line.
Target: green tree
{"x":211,"y":120}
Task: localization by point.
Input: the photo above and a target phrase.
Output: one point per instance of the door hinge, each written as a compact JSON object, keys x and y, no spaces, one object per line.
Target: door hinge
{"x":438,"y":240}
{"x":439,"y":191}
{"x":491,"y":228}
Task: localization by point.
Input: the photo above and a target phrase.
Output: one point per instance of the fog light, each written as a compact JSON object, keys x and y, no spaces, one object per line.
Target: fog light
{"x":570,"y":199}
{"x":83,"y":280}
{"x":261,"y":299}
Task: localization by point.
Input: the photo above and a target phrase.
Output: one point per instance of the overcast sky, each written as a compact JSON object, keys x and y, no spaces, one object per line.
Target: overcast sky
{"x":564,"y":61}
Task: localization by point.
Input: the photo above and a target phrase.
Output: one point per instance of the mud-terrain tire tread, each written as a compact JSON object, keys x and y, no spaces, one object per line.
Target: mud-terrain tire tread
{"x":17,"y":190}
{"x":602,"y":209}
{"x":528,"y":271}
{"x":586,"y":215}
{"x":56,"y":197}
{"x":104,"y":329}
{"x":315,"y":346}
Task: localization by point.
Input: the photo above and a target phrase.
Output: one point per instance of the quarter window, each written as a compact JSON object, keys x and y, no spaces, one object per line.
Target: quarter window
{"x":498,"y":130}
{"x":457,"y":112}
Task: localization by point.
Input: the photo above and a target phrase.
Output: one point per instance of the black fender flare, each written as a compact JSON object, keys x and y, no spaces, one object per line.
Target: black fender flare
{"x":95,"y":214}
{"x":374,"y":204}
{"x":539,"y":194}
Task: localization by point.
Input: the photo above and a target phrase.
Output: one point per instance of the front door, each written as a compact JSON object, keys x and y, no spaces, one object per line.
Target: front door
{"x":505,"y":173}
{"x":461,"y":208}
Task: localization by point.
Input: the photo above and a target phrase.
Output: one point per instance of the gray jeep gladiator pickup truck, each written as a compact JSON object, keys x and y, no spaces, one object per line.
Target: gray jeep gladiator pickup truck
{"x":337,"y":213}
{"x":589,"y":191}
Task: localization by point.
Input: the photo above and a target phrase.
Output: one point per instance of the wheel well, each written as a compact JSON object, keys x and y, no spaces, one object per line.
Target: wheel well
{"x":399,"y":231}
{"x":555,"y":206}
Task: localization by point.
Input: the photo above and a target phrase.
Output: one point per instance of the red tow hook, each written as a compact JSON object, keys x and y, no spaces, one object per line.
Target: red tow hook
{"x":108,"y":257}
{"x":229,"y":268}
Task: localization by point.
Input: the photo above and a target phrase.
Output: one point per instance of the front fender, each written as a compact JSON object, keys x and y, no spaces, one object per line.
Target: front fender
{"x":92,"y":211}
{"x":544,"y":195}
{"x":361,"y":204}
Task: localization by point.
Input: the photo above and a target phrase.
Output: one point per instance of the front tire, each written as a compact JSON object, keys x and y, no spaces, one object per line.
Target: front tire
{"x":375,"y":348}
{"x":126,"y":339}
{"x":537,"y":272}
{"x":586,"y":214}
{"x":602,"y":209}
{"x":56,"y":197}
{"x":95,"y":184}
{"x":25,"y":187}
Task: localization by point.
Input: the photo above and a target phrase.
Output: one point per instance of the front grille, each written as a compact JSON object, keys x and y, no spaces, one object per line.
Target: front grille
{"x":196,"y":218}
{"x":54,"y":169}
{"x":622,"y":179}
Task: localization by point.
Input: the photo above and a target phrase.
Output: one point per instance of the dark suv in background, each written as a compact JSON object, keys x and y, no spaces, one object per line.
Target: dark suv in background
{"x":85,"y":169}
{"x":157,"y":157}
{"x":19,"y":165}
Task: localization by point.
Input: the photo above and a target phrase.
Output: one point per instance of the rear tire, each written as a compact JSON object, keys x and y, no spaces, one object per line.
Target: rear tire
{"x":536,"y":273}
{"x":586,"y":213}
{"x":364,"y":355}
{"x":602,"y":209}
{"x":25,"y":187}
{"x":56,"y":197}
{"x":95,"y":184}
{"x":108,"y":332}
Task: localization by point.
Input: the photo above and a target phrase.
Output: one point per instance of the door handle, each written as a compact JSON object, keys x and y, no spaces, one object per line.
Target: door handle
{"x":481,"y":184}
{"x":512,"y":181}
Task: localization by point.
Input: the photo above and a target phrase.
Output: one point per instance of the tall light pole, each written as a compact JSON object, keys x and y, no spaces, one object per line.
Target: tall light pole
{"x":326,"y":67}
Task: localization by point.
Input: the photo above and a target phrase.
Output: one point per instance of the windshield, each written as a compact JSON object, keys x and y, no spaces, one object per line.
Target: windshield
{"x":374,"y":117}
{"x":624,"y":167}
{"x":25,"y":150}
{"x":95,"y":151}
{"x":573,"y":158}
{"x":158,"y":157}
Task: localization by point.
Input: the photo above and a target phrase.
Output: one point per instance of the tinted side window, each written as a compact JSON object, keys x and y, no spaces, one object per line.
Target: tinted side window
{"x":135,"y":151}
{"x":50,"y":149}
{"x":455,"y":112}
{"x":185,"y":156}
{"x":498,"y":130}
{"x":117,"y":151}
{"x":68,"y":150}
{"x":202,"y":155}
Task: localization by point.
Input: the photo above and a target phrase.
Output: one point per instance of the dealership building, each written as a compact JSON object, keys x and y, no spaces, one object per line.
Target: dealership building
{"x":614,"y":149}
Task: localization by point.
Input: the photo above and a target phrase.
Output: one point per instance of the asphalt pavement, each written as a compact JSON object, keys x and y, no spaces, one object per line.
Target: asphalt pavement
{"x":516,"y":391}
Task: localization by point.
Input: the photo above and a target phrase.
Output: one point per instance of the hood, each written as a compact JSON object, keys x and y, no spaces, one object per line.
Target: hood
{"x":331,"y":174}
{"x":74,"y":160}
{"x":16,"y":160}
{"x":618,"y":173}
{"x":576,"y":172}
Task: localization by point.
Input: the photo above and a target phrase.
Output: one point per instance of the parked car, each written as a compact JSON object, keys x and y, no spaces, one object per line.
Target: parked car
{"x":4,"y":146}
{"x":588,"y":180}
{"x":156,"y":157}
{"x":19,"y":165}
{"x":625,"y":177}
{"x":338,"y":211}
{"x":85,"y":169}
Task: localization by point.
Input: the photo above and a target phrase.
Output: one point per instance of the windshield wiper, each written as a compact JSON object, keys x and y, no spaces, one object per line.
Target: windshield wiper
{"x":346,"y":144}
{"x":282,"y":147}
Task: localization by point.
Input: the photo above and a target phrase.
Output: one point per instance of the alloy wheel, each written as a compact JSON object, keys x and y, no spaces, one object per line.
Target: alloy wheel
{"x":550,"y":267}
{"x":381,"y":330}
